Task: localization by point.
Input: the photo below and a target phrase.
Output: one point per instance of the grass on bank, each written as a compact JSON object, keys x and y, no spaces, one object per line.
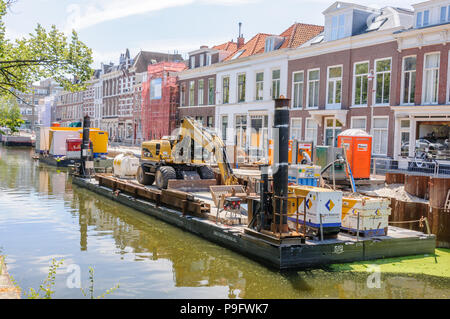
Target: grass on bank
{"x":432,"y":265}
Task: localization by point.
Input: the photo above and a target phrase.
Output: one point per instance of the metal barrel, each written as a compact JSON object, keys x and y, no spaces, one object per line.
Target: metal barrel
{"x":281,"y":162}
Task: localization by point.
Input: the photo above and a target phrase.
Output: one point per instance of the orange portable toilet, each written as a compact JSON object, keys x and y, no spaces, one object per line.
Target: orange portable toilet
{"x":359,"y":151}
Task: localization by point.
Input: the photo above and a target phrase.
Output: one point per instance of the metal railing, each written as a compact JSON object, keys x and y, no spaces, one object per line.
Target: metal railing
{"x":416,"y":166}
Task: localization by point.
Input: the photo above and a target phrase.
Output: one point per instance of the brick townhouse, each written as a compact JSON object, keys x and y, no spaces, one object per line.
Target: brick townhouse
{"x":382,"y":71}
{"x":235,"y":95}
{"x":118,"y":117}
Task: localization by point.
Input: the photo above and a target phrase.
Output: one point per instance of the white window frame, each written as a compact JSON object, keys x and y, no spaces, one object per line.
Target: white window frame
{"x":202,"y":60}
{"x":334,"y":80}
{"x":358,"y":118}
{"x":256,"y":86}
{"x":373,"y":134}
{"x":424,"y":78}
{"x":354,"y":83}
{"x":301,"y":106}
{"x":223,"y":91}
{"x":334,"y":127}
{"x":316,"y":130}
{"x":192,"y":62}
{"x":191,"y":103}
{"x":200,"y":95}
{"x":237,"y":87}
{"x":273,"y":80}
{"x":299,"y":120}
{"x":318,"y":90}
{"x":402,"y":89}
{"x":374,"y":84}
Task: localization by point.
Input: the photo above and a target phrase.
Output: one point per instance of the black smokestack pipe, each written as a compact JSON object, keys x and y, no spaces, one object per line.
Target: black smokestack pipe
{"x":85,"y":149}
{"x":281,"y":164}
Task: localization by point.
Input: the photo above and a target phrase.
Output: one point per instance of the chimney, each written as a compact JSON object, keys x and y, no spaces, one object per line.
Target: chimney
{"x":204,"y":47}
{"x":240,"y":39}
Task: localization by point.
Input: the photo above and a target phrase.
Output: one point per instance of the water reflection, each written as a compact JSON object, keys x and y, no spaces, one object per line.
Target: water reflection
{"x":149,"y":258}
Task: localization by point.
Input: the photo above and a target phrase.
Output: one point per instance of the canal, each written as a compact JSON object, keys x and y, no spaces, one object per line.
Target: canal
{"x":43,"y":216}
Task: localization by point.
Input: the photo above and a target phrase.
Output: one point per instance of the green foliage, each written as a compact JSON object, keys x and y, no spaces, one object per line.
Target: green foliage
{"x":10,"y":116}
{"x":42,"y":54}
{"x":46,"y":287}
{"x":91,"y":287}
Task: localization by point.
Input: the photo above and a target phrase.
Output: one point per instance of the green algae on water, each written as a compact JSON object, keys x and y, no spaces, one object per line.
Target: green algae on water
{"x":432,"y":265}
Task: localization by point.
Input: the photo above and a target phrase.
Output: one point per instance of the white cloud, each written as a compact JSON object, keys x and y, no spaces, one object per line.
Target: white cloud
{"x":99,"y":11}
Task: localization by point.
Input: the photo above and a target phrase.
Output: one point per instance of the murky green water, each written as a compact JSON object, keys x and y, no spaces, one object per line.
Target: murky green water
{"x":43,"y":216}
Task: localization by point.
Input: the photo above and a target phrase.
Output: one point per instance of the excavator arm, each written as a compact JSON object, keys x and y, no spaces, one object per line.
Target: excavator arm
{"x":210,"y":141}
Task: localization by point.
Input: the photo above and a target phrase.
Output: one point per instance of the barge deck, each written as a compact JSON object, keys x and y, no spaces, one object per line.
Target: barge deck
{"x":286,"y":256}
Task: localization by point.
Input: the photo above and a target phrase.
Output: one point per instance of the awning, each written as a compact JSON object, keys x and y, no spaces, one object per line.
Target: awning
{"x":318,"y":115}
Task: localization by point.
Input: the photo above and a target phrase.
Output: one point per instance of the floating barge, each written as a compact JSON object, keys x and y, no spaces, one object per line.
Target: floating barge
{"x":193,"y":212}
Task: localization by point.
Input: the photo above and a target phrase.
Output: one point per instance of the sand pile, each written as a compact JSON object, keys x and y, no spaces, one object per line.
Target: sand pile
{"x":396,"y":191}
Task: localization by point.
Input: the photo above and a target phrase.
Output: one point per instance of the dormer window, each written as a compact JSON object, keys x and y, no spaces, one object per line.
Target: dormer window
{"x":208,"y":59}
{"x":445,"y":14}
{"x":272,"y":43}
{"x":192,"y":62}
{"x":202,"y":59}
{"x":338,"y":27}
{"x":269,"y":45}
{"x":423,"y":18}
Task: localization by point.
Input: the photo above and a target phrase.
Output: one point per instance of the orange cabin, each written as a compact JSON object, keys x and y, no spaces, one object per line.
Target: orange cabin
{"x":359,"y":151}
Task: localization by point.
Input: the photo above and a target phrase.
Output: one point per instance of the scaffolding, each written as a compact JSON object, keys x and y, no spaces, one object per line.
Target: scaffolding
{"x":160,"y":100}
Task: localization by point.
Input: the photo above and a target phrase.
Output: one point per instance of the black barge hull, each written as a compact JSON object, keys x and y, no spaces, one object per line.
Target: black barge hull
{"x":313,"y":253}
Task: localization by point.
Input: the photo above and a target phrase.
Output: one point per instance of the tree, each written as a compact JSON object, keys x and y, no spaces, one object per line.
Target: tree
{"x":10,"y":116}
{"x":42,"y":54}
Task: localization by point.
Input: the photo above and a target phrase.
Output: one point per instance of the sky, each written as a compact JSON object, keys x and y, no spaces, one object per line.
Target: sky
{"x":111,"y":26}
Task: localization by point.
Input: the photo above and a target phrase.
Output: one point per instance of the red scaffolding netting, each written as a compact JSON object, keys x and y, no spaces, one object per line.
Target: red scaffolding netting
{"x":160,"y":100}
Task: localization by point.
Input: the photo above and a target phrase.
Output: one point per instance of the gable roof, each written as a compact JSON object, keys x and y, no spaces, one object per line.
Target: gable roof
{"x":229,"y":46}
{"x":294,"y":36}
{"x":252,"y":46}
{"x":299,"y":33}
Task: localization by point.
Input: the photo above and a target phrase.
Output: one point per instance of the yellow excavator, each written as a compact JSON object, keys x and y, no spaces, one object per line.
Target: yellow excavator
{"x":183,"y":157}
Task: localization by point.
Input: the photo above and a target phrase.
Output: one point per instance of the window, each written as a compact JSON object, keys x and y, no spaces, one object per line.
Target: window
{"x":337,"y":27}
{"x":404,"y":137}
{"x":444,"y":16}
{"x":200,"y":91}
{"x":380,"y":135}
{"x":224,"y":127}
{"x":332,"y":129}
{"x":226,"y":90}
{"x":409,"y":80}
{"x":209,"y":121}
{"x":296,"y":129}
{"x":313,"y":88}
{"x":241,"y":88}
{"x":426,"y":18}
{"x":208,"y":59}
{"x":361,"y":83}
{"x":431,"y":78}
{"x":298,"y":84}
{"x":191,"y":93}
{"x":275,"y":84}
{"x":359,"y":123}
{"x":241,"y":131}
{"x":334,"y":85}
{"x":211,"y":91}
{"x":383,"y":81}
{"x":183,"y":95}
{"x":259,"y":86}
{"x":192,"y":62}
{"x":269,"y":44}
{"x":202,"y":59}
{"x":423,"y":18}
